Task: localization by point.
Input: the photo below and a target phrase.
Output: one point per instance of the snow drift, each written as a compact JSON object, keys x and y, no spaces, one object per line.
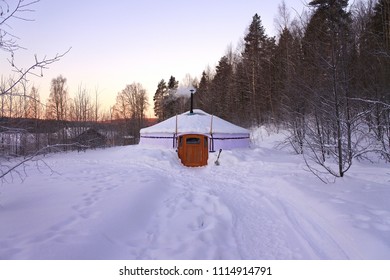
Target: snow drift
{"x":138,"y":202}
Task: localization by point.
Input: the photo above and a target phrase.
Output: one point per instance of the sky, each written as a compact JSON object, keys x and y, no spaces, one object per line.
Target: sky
{"x":115,"y":43}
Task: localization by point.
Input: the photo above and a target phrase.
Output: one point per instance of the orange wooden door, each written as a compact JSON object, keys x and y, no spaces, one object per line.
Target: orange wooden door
{"x":193,"y":150}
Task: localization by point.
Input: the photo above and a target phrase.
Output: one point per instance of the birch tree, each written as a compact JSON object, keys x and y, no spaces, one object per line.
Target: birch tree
{"x":18,"y":10}
{"x":131,"y":105}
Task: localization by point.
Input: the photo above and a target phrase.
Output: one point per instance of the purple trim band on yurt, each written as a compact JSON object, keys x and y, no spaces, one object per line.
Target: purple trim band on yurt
{"x":231,"y":138}
{"x":222,"y":134}
{"x":158,"y":137}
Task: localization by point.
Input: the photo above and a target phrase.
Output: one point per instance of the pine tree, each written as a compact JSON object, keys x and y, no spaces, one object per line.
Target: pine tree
{"x":375,"y":66}
{"x":256,"y":61}
{"x":289,"y":96}
{"x":379,"y":30}
{"x":222,"y":89}
{"x":170,"y":105}
{"x":158,"y":100}
{"x":203,"y":93}
{"x":254,"y":40}
{"x":381,"y":23}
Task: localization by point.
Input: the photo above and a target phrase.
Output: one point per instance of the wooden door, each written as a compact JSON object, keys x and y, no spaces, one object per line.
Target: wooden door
{"x":193,"y":150}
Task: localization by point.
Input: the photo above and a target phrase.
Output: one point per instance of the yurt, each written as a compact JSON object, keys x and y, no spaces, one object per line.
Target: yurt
{"x":220,"y":134}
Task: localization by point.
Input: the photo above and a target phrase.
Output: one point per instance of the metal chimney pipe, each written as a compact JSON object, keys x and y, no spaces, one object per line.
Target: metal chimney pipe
{"x":192,"y":101}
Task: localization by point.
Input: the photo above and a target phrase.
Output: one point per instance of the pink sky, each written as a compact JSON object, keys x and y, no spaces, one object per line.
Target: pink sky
{"x":120,"y":42}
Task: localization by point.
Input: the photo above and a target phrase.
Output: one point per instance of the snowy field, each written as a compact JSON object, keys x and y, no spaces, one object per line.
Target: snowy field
{"x":139,"y":202}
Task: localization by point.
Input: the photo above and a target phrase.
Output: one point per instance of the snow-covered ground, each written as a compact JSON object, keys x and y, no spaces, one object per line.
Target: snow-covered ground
{"x":139,"y":202}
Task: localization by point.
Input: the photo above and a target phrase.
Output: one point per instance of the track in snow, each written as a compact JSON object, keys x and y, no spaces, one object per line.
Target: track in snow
{"x":140,"y":203}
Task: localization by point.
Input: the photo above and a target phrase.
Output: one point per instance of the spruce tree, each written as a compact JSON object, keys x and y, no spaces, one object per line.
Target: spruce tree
{"x":289,"y":96}
{"x":375,"y":61}
{"x":170,"y":105}
{"x":158,"y":100}
{"x":203,"y":93}
{"x":222,"y":89}
{"x":256,"y":61}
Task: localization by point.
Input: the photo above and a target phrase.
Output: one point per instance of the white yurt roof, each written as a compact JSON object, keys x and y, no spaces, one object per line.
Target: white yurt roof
{"x":197,"y":122}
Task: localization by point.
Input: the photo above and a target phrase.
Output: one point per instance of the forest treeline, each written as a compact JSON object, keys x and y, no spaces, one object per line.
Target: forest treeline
{"x":28,"y":124}
{"x":325,"y":78}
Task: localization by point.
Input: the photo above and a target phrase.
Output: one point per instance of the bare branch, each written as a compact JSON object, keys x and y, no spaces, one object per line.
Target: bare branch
{"x":8,"y":41}
{"x":15,"y":167}
{"x":39,"y":64}
{"x":387,"y":105}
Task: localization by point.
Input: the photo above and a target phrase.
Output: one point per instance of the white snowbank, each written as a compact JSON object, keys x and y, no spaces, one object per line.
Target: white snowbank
{"x":198,"y":122}
{"x":136,"y":202}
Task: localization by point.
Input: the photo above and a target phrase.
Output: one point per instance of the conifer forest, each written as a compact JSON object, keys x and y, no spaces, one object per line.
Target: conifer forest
{"x":324,"y":80}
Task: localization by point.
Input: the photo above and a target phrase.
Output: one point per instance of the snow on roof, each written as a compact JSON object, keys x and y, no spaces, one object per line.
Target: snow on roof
{"x":196,"y":122}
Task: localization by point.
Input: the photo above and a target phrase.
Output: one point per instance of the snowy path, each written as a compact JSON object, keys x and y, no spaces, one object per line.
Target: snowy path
{"x":141,"y":203}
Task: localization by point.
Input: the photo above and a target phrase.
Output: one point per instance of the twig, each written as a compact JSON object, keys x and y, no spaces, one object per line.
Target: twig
{"x":42,"y":64}
{"x":13,"y":169}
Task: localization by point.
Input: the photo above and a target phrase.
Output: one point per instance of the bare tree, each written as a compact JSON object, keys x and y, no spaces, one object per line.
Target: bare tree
{"x":189,"y":81}
{"x":16,"y":10}
{"x":82,"y":106}
{"x":131,"y":105}
{"x":10,"y":90}
{"x":57,"y":105}
{"x":97,"y":105}
{"x":283,"y":20}
{"x":8,"y":43}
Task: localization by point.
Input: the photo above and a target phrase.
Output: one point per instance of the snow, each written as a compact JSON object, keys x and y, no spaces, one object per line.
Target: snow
{"x":138,"y":202}
{"x":198,"y":122}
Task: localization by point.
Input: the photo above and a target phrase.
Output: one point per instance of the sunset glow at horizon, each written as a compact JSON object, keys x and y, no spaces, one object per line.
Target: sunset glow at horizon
{"x":121,"y":42}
